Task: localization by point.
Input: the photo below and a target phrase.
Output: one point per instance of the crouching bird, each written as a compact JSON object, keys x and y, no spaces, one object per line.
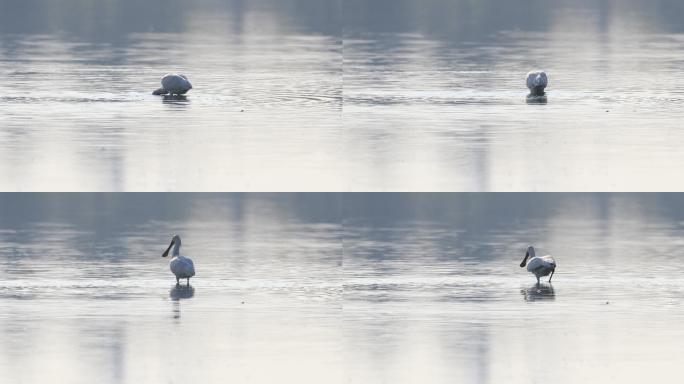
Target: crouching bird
{"x":537,"y":82}
{"x":173,"y":84}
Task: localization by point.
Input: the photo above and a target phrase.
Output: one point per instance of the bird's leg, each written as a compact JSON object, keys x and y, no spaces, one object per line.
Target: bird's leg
{"x":551,"y":277}
{"x":188,"y":281}
{"x":537,"y":280}
{"x":177,"y":281}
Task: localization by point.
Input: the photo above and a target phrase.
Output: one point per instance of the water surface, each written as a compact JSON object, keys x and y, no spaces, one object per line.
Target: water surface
{"x":329,"y":96}
{"x":78,"y":114}
{"x":433,"y":291}
{"x":87,"y":297}
{"x":434,"y":95}
{"x":341,"y":288}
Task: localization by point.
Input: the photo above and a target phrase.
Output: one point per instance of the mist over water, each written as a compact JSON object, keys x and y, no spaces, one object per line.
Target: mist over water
{"x":358,"y":288}
{"x":78,"y":113}
{"x":335,"y":96}
{"x":341,"y":96}
{"x":434,"y":95}
{"x":87,"y":296}
{"x":433,"y":291}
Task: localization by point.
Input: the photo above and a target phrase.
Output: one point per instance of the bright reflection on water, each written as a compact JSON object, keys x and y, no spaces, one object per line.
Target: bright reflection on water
{"x":78,"y":114}
{"x":335,"y":288}
{"x":433,"y":291}
{"x":87,"y":297}
{"x":434,"y":95}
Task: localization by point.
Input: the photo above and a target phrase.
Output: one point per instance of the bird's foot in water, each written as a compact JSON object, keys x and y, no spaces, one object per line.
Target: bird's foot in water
{"x":174,"y":97}
{"x":536,"y":99}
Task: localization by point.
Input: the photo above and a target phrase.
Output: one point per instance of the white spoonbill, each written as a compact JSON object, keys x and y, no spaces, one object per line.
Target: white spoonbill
{"x":173,"y":84}
{"x":181,"y":266}
{"x":539,"y":265}
{"x":536,"y":82}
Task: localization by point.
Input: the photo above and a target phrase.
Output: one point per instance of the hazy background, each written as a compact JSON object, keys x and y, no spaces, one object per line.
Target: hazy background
{"x":78,"y":114}
{"x":87,"y":296}
{"x":434,"y":95}
{"x":404,"y":288}
{"x":434,"y":292}
{"x":333,"y":96}
{"x":113,"y":20}
{"x":480,"y":18}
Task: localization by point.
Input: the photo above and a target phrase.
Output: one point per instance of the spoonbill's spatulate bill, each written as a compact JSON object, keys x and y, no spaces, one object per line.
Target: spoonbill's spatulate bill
{"x":173,"y":84}
{"x":181,"y":266}
{"x":537,"y":82}
{"x":539,"y":265}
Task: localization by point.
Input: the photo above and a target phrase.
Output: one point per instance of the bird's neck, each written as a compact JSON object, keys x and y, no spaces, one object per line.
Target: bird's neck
{"x":176,"y":250}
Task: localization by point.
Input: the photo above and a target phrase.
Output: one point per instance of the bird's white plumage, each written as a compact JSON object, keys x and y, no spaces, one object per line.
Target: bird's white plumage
{"x":543,"y":264}
{"x":174,"y":84}
{"x":536,"y":82}
{"x":539,"y":265}
{"x":181,"y":266}
{"x":537,"y":79}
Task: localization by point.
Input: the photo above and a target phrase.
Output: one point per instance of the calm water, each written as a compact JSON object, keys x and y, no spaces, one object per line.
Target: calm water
{"x":338,"y":288}
{"x":327,"y":95}
{"x":433,"y":291}
{"x":87,"y":297}
{"x":434,"y":95}
{"x":78,"y":114}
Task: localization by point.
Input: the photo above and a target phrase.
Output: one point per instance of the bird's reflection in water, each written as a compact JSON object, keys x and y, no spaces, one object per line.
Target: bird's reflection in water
{"x":182,"y":292}
{"x":175,"y":99}
{"x":178,"y":293}
{"x":538,"y":292}
{"x":533,"y":99}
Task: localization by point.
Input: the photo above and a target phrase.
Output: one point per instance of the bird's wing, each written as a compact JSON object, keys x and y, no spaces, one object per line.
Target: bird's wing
{"x":530,"y":79}
{"x":541,"y":262}
{"x":531,"y":76}
{"x":169,"y":82}
{"x":190,"y":267}
{"x":545,"y":79}
{"x":549,"y":260}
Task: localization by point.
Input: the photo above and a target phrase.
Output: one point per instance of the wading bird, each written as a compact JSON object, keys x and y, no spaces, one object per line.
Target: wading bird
{"x":539,"y":265}
{"x":181,"y":266}
{"x":173,"y":84}
{"x":536,"y":82}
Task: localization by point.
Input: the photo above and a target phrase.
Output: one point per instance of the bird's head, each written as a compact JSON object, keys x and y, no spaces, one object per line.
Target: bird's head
{"x":176,"y":240}
{"x":528,"y":254}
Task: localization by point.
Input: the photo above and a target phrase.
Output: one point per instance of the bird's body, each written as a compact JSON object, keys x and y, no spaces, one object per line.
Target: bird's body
{"x":181,"y":266}
{"x":173,"y":84}
{"x":537,"y":82}
{"x":539,"y":265}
